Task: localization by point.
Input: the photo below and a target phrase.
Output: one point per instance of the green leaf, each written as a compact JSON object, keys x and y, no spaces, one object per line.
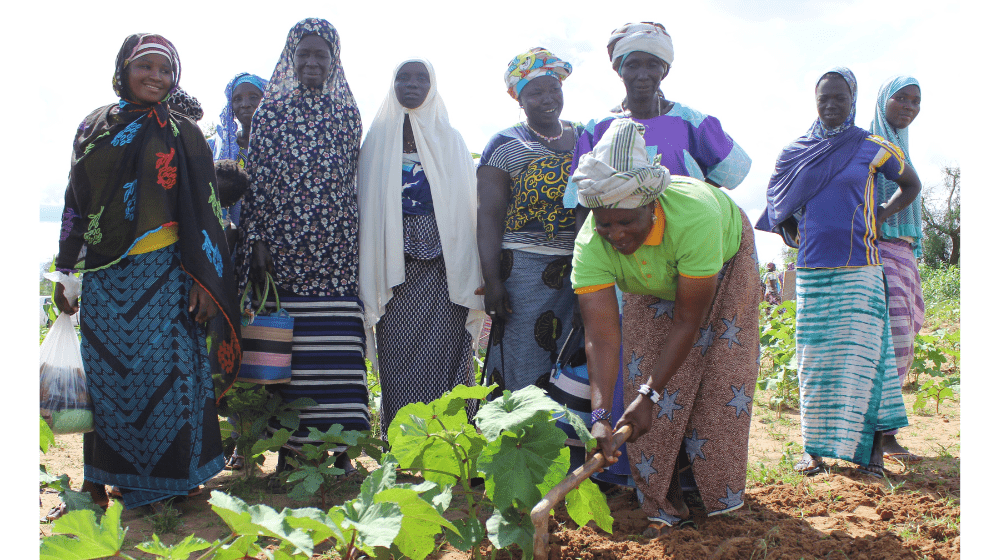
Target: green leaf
{"x":514,"y":410}
{"x":46,"y":480}
{"x":585,"y":503}
{"x":77,"y":501}
{"x":179,"y":551}
{"x":377,"y":524}
{"x":470,"y":533}
{"x":45,"y":435}
{"x":579,"y":426}
{"x":477,"y":392}
{"x":92,"y":540}
{"x":258,"y":520}
{"x":272,"y":443}
{"x":316,"y":524}
{"x":422,"y":522}
{"x":510,"y":526}
{"x":517,"y":466}
{"x":243,"y":547}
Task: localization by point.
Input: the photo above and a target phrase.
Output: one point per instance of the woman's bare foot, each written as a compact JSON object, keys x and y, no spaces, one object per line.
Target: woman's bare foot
{"x":892,"y":448}
{"x":98,"y":493}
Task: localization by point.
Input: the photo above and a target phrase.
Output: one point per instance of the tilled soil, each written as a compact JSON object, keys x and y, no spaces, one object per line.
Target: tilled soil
{"x":837,"y":514}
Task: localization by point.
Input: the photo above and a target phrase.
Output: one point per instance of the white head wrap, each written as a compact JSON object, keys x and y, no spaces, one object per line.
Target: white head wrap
{"x":618,"y":172}
{"x":448,"y":165}
{"x":646,"y":37}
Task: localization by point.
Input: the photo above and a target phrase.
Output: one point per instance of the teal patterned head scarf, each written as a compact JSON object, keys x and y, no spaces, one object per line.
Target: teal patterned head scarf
{"x":908,"y":221}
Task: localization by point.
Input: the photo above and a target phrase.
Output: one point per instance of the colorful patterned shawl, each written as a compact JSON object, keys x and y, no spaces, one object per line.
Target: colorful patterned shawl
{"x":136,"y":170}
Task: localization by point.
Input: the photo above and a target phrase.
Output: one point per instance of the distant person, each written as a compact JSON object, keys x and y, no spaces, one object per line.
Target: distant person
{"x":900,"y":243}
{"x":820,"y":200}
{"x":772,"y":286}
{"x":419,"y":260}
{"x":154,"y":268}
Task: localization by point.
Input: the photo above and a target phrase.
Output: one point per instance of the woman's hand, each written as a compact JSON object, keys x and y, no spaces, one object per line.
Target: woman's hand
{"x":496,"y":300}
{"x":201,"y":304}
{"x":640,"y":415}
{"x":602,"y":432}
{"x":261,"y":263}
{"x":64,"y":305}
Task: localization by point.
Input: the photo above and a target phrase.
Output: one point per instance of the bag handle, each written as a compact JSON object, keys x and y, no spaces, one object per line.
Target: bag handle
{"x":268,"y":283}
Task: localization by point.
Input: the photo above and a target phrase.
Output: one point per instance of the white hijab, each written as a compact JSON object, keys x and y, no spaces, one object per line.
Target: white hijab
{"x":448,"y":166}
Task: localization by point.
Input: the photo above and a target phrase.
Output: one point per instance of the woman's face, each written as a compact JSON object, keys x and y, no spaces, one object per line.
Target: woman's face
{"x":642,"y":73}
{"x":903,"y":107}
{"x":312,"y":60}
{"x":150,"y":78}
{"x":833,"y":100}
{"x":625,"y":229}
{"x":542,"y":100}
{"x":413,"y":81}
{"x":245,"y":99}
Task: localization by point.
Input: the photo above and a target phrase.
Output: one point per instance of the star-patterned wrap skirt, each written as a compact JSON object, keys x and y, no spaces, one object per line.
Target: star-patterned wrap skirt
{"x":706,"y":406}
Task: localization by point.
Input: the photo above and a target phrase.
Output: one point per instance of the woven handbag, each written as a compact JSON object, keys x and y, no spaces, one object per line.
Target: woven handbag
{"x":267,"y":340}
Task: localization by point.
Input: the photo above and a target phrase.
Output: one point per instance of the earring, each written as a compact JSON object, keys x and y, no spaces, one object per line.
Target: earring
{"x":654,"y":218}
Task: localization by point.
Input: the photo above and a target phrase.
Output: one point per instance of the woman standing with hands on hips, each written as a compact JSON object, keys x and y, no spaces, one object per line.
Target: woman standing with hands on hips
{"x":822,"y":200}
{"x":683,"y":254}
{"x":419,"y":260}
{"x":900,"y":244}
{"x":525,"y":234}
{"x":299,"y":223}
{"x":143,"y":214}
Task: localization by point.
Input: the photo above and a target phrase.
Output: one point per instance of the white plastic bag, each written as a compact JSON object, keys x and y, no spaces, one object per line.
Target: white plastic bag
{"x":65,"y":404}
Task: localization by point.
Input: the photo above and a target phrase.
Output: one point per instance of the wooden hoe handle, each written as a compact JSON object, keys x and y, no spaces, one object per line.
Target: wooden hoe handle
{"x":540,"y":513}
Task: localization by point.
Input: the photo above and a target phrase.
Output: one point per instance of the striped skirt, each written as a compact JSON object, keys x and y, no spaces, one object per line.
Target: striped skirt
{"x":847,"y":371}
{"x":906,"y":301}
{"x":156,"y":431}
{"x":328,"y":365}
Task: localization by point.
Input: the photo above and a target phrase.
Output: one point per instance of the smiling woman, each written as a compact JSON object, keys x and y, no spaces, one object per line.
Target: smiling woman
{"x":139,"y":212}
{"x":525,"y":234}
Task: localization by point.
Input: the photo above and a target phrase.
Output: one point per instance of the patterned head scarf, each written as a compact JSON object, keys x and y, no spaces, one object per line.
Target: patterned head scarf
{"x":227,"y":129}
{"x":818,"y":129}
{"x":303,"y":164}
{"x":138,"y":45}
{"x":283,"y":80}
{"x":618,"y":172}
{"x":532,"y":64}
{"x":646,"y":37}
{"x":909,"y":221}
{"x":186,"y":104}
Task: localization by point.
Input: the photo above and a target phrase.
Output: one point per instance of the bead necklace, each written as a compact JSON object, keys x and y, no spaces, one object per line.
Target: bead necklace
{"x":562,"y":130}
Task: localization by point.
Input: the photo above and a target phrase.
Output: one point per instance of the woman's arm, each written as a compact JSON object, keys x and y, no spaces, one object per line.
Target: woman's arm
{"x":694,"y":299}
{"x":493,"y":186}
{"x":602,"y":332}
{"x":909,"y":188}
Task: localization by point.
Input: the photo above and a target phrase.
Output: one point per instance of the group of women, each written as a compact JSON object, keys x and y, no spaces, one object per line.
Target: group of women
{"x":621,"y":226}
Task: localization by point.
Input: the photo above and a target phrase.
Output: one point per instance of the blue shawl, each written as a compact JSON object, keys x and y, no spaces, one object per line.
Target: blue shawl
{"x":806,"y":166}
{"x":909,"y":220}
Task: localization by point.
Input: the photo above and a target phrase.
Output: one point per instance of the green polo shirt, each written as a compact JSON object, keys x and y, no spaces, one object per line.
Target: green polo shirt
{"x":698,"y":228}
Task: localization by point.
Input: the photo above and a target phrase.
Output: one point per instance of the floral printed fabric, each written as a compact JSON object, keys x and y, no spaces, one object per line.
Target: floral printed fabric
{"x":303,"y":163}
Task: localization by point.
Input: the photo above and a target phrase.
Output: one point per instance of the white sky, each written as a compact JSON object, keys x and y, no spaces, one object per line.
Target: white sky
{"x":751,"y":63}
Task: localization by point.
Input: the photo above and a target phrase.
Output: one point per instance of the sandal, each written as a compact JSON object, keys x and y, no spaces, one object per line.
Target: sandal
{"x":803,"y":466}
{"x":904,"y":457}
{"x":874,"y":471}
{"x":659,"y":529}
{"x":234,"y":463}
{"x":56,"y":512}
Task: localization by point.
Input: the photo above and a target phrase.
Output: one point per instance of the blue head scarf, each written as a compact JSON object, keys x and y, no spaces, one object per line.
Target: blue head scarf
{"x":806,"y":166}
{"x":226,"y":146}
{"x":909,"y":220}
